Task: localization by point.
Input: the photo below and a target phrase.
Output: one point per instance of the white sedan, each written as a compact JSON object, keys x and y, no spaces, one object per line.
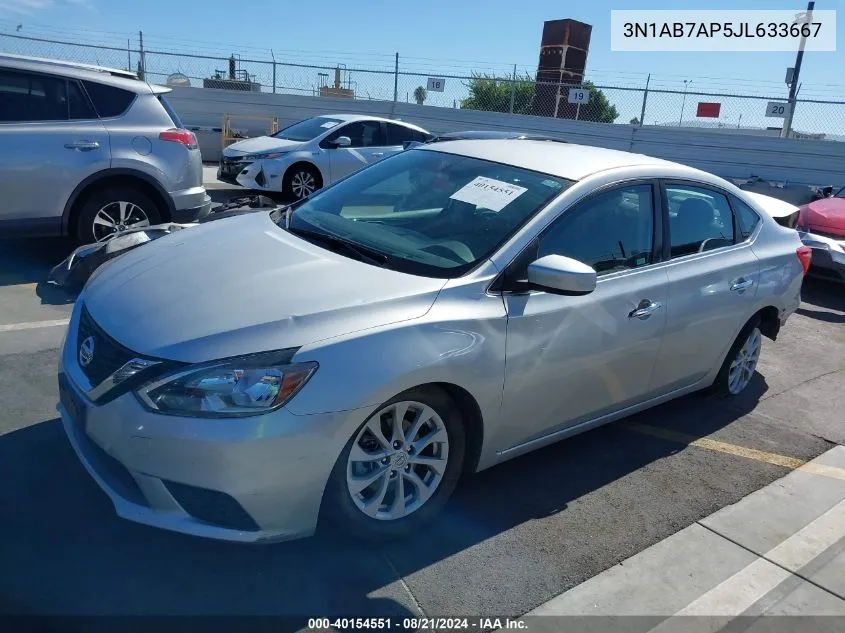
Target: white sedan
{"x":313,"y":153}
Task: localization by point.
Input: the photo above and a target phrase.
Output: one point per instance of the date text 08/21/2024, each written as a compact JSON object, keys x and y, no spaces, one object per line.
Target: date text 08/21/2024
{"x":725,"y":29}
{"x":413,"y":623}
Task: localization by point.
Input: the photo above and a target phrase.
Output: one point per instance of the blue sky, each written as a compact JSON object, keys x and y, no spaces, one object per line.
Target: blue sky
{"x":432,"y":37}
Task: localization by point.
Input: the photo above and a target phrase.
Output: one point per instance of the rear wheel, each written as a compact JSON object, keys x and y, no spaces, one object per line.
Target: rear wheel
{"x":400,"y":467}
{"x":741,"y":363}
{"x":110,"y":211}
{"x":301,"y":181}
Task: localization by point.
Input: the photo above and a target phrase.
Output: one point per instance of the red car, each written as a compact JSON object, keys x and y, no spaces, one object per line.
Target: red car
{"x":821,"y":224}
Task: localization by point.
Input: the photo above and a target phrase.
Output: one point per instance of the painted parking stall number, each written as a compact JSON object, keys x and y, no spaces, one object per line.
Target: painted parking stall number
{"x":579,"y":95}
{"x":436,"y":84}
{"x":777,"y":109}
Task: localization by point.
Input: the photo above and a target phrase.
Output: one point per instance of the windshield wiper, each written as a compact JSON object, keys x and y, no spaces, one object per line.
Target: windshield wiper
{"x":361,"y":253}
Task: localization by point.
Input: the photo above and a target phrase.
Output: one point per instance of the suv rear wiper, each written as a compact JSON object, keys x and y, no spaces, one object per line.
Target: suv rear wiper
{"x":361,"y":253}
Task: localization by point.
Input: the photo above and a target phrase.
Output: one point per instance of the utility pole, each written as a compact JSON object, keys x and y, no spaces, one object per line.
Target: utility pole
{"x":396,"y":80}
{"x":273,"y":55}
{"x":513,"y":88}
{"x":805,"y":18}
{"x":687,"y":83}
{"x":143,"y":60}
{"x":645,"y":97}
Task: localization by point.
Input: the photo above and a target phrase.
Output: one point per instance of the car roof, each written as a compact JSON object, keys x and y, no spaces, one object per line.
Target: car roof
{"x":369,"y":117}
{"x":125,"y":79}
{"x":564,"y":160}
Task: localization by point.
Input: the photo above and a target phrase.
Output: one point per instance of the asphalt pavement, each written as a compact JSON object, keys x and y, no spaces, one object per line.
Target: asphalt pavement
{"x":512,"y":538}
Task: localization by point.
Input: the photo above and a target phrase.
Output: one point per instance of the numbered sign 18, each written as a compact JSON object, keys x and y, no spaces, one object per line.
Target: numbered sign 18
{"x":579,"y":95}
{"x":777,"y":109}
{"x":435,"y":84}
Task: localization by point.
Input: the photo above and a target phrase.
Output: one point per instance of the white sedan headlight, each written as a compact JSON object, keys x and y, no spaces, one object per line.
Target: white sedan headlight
{"x":239,"y":387}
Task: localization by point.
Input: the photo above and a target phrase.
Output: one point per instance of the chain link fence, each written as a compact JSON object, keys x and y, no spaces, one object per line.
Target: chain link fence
{"x":737,"y":113}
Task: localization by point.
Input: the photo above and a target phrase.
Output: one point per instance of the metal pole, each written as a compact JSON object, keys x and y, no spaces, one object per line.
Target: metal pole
{"x":273,"y":55}
{"x":513,"y":88}
{"x":577,"y":110}
{"x":645,"y":96}
{"x":396,"y":80}
{"x":793,"y":87}
{"x":143,"y":56}
{"x":684,"y":101}
{"x":739,"y":121}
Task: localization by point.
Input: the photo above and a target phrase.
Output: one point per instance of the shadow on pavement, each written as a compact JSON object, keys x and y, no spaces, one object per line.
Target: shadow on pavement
{"x":65,"y":552}
{"x":828,"y":295}
{"x":25,"y":261}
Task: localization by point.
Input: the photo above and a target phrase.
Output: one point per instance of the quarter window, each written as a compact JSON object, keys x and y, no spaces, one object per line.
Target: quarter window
{"x":700,"y":220}
{"x":747,"y":218}
{"x":109,"y":100}
{"x":612,"y":231}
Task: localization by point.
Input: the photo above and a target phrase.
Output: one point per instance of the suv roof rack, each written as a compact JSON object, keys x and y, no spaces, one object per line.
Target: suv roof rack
{"x":114,"y":72}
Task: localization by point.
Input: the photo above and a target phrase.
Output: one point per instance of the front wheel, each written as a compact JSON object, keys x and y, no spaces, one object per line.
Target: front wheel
{"x":301,"y":181}
{"x":400,"y":467}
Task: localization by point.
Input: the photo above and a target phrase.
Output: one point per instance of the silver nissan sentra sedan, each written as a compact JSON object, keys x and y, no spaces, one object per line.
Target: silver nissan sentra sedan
{"x":446,"y":309}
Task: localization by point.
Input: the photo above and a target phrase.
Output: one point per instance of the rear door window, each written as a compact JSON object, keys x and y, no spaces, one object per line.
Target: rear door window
{"x":32,"y":97}
{"x":700,"y":219}
{"x":109,"y":101}
{"x":79,"y":108}
{"x":399,"y":134}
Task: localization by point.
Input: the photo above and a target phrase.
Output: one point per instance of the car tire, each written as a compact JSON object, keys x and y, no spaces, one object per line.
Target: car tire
{"x":108,"y":204}
{"x":343,"y":510}
{"x":301,"y":180}
{"x":741,"y":361}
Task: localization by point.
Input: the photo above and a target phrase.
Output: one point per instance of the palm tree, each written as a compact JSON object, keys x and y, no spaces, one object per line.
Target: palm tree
{"x":420,"y":95}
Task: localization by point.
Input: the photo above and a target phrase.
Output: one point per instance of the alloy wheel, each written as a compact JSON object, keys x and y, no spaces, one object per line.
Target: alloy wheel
{"x":116,"y":217}
{"x":743,"y":365}
{"x":397,"y":460}
{"x":303,"y":184}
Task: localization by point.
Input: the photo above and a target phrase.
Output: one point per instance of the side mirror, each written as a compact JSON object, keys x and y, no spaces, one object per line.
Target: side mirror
{"x":562,"y":275}
{"x":342,"y":141}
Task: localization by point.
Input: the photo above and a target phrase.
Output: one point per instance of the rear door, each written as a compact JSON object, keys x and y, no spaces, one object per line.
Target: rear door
{"x":713,"y":280}
{"x":368,"y":145}
{"x":50,"y":141}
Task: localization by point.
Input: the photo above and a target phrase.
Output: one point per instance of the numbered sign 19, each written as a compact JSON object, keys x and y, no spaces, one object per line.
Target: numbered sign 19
{"x":435,"y":84}
{"x":777,"y":109}
{"x":579,"y":95}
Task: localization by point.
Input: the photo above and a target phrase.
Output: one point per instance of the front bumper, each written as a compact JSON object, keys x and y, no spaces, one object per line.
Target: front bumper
{"x":257,"y":479}
{"x":828,"y":255}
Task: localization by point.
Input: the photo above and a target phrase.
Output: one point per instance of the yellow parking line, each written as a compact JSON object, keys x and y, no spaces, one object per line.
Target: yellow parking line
{"x":740,"y":451}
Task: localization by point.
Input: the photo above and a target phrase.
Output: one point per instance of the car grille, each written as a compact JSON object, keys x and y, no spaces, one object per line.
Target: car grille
{"x":108,"y":356}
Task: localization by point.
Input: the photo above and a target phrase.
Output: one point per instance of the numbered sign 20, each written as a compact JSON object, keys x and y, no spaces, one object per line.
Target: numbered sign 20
{"x":435,"y":84}
{"x":579,"y":95}
{"x":777,"y":109}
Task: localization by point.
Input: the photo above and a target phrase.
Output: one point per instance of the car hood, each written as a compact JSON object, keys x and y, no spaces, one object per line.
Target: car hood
{"x":242,"y":285}
{"x":826,"y":215}
{"x":261,"y":144}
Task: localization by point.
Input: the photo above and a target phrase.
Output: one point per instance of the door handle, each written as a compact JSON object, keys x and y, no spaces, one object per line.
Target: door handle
{"x":645,"y":309}
{"x":83,"y":146}
{"x":741,"y":284}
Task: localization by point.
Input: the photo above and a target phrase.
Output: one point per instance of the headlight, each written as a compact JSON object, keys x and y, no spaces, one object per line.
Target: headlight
{"x":231,"y":388}
{"x":263,"y":156}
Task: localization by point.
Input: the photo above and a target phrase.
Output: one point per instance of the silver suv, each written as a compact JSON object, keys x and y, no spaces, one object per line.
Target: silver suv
{"x":88,"y":151}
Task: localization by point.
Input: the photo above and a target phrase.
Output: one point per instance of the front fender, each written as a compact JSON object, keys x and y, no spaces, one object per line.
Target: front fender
{"x":364,"y":370}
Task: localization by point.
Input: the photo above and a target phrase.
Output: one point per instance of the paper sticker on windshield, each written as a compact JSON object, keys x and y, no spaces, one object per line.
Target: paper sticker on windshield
{"x":488,"y":193}
{"x":329,"y":124}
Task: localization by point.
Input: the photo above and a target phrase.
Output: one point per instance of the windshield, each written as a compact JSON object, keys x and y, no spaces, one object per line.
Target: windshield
{"x":307,"y":129}
{"x":426,"y":212}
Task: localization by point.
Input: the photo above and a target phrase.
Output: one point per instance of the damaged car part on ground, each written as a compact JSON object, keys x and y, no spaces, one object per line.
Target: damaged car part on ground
{"x":350,"y":359}
{"x":74,"y":271}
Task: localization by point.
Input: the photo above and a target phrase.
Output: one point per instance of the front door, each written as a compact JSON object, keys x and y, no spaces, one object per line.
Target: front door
{"x":574,"y":358}
{"x":367,"y":147}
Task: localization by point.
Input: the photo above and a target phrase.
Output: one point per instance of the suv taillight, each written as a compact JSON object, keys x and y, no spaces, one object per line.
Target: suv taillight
{"x":805,"y":256}
{"x":178,"y":135}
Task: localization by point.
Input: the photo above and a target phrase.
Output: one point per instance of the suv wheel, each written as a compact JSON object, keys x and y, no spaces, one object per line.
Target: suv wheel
{"x":110,"y":211}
